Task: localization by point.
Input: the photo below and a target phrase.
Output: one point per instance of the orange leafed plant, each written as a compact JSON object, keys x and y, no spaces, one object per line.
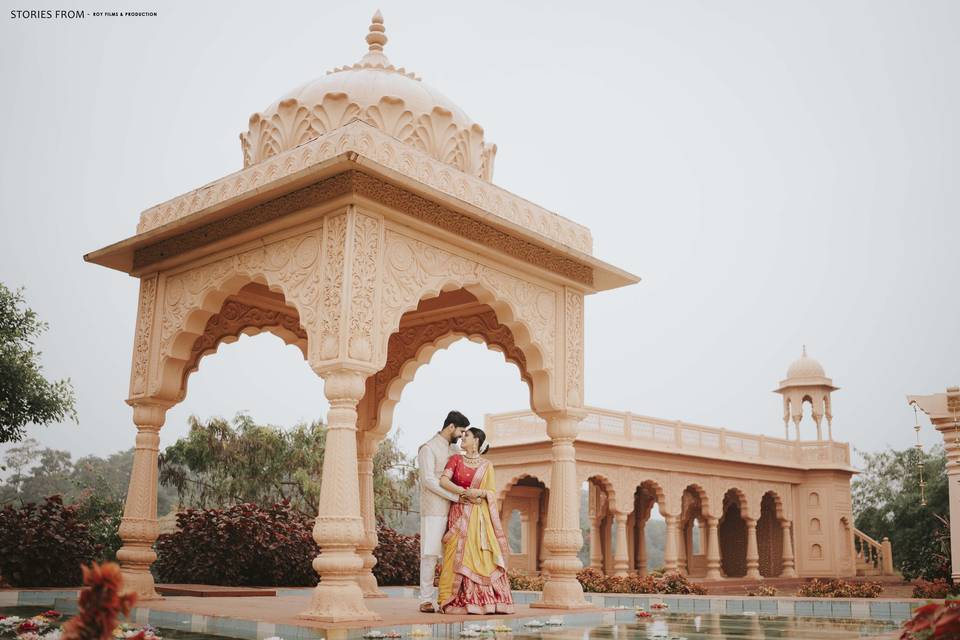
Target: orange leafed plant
{"x":100,"y":603}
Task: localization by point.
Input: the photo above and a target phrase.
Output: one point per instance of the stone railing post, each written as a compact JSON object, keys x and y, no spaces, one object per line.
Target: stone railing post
{"x":620,"y":559}
{"x":366,"y":450}
{"x":789,"y":568}
{"x":562,"y":537}
{"x":753,"y":555}
{"x":339,"y":526}
{"x":887,"y":550}
{"x":713,"y":549}
{"x":139,"y":527}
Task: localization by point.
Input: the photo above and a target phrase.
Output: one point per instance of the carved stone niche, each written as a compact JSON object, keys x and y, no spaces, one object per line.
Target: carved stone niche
{"x":435,"y":324}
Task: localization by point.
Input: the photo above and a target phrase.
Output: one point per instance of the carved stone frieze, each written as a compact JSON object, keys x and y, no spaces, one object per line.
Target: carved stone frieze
{"x":290,"y":265}
{"x":367,"y":141}
{"x":331,"y":299}
{"x":380,"y":192}
{"x":573,"y":369}
{"x":365,"y":256}
{"x":142,"y":343}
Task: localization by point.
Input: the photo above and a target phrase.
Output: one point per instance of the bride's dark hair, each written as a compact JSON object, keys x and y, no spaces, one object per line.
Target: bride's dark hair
{"x":481,"y":438}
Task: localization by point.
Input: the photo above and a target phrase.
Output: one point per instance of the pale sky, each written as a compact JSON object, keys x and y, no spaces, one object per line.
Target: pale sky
{"x":778,"y":173}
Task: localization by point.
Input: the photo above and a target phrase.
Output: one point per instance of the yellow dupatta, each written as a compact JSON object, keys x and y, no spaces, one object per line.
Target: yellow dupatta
{"x":474,"y":544}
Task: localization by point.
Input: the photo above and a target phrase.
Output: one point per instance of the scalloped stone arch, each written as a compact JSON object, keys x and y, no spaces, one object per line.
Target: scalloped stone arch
{"x":742,"y":500}
{"x":604,"y":481}
{"x":777,"y":501}
{"x":703,"y":496}
{"x":191,"y":297}
{"x":402,"y":366}
{"x":415,"y":271}
{"x":512,"y":482}
{"x":225,"y":327}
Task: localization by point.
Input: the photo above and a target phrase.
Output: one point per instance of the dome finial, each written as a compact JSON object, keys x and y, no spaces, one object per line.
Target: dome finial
{"x":376,"y":37}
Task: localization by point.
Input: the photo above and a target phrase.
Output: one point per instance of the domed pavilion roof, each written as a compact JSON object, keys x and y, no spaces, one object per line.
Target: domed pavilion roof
{"x":389,"y":98}
{"x":805,"y":372}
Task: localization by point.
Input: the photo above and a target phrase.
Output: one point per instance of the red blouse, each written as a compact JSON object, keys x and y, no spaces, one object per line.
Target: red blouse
{"x":461,"y":474}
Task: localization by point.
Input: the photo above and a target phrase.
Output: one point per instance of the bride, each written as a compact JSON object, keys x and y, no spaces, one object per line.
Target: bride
{"x":474,"y":575}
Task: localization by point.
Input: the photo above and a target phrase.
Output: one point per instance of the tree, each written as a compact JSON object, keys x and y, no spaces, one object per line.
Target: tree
{"x":26,"y":397}
{"x":219,"y":464}
{"x":887,"y":503}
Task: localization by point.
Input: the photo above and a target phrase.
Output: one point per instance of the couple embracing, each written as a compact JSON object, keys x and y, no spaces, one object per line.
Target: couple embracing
{"x":460,"y":524}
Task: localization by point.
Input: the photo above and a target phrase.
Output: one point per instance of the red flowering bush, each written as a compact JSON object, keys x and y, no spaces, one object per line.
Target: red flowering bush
{"x":592,"y":580}
{"x":836,"y":588}
{"x":398,"y":557}
{"x":242,"y":545}
{"x":934,"y":622}
{"x":100,"y":603}
{"x":938,"y":588}
{"x":520,"y":581}
{"x":672,"y":582}
{"x":43,"y":545}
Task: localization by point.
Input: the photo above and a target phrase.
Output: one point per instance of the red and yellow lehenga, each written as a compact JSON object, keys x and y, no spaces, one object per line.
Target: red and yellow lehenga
{"x":474,"y":576}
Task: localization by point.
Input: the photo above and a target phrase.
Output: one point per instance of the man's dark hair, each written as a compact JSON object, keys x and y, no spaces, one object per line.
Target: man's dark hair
{"x":457,"y":419}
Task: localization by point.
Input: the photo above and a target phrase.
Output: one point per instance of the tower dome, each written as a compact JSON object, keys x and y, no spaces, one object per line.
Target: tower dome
{"x":805,"y":367}
{"x":389,"y":98}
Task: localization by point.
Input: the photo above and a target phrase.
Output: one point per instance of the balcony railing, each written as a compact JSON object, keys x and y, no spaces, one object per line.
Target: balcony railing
{"x":644,"y":432}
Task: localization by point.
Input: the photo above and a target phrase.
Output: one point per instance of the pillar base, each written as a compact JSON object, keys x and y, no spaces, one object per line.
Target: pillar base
{"x":140,"y":583}
{"x":562,"y":594}
{"x":788,"y":573}
{"x":369,"y":586}
{"x":753,"y":575}
{"x":338,"y":603}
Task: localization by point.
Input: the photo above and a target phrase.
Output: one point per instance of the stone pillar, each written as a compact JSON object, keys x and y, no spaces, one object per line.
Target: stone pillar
{"x":631,"y":543}
{"x":789,"y":569}
{"x":366,"y":450}
{"x":562,"y":537}
{"x":713,"y":549}
{"x":596,"y":551}
{"x":753,"y":555}
{"x":670,"y":544}
{"x":620,"y":559}
{"x":682,"y":551}
{"x":642,"y":549}
{"x":139,"y":527}
{"x":339,"y":526}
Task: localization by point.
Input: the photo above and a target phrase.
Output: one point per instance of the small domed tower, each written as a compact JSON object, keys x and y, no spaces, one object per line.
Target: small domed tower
{"x":806,"y":382}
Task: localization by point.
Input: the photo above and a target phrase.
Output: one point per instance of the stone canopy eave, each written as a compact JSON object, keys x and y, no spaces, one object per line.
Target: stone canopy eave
{"x":121,"y":255}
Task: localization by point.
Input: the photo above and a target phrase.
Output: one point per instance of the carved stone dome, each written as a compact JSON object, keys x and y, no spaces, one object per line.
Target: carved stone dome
{"x":805,"y":367}
{"x":382,"y":95}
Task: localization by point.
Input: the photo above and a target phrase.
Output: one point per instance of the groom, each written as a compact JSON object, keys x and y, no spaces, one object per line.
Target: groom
{"x":435,"y":502}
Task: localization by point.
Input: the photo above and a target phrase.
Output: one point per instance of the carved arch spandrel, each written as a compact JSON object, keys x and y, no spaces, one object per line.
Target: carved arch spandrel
{"x":412,"y":347}
{"x":414,"y":271}
{"x":290,"y":266}
{"x":541,"y":473}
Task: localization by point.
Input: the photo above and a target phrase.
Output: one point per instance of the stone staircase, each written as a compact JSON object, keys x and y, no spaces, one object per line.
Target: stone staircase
{"x":873,"y":558}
